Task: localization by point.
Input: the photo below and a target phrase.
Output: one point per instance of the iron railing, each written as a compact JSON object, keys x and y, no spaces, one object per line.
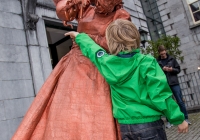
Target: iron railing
{"x":190,"y":86}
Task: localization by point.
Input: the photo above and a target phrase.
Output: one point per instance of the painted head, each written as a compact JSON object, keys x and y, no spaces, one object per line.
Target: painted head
{"x":106,"y":6}
{"x":122,"y":35}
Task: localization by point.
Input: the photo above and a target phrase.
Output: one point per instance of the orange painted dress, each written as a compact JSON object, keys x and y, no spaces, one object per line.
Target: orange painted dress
{"x":74,"y":103}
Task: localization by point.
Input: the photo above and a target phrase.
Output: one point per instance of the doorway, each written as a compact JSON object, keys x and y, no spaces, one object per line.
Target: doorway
{"x":59,"y":45}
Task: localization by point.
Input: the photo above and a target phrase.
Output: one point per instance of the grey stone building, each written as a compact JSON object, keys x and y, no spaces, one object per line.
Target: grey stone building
{"x":31,"y":43}
{"x":182,"y":18}
{"x":176,"y":18}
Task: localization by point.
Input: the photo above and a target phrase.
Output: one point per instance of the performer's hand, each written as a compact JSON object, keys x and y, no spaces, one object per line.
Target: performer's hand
{"x":72,"y":34}
{"x":183,"y":128}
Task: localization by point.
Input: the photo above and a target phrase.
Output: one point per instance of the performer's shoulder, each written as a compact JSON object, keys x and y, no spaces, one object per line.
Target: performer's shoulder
{"x":122,"y":13}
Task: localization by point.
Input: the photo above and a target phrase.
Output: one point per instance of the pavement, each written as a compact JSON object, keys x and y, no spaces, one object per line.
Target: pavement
{"x":194,"y":129}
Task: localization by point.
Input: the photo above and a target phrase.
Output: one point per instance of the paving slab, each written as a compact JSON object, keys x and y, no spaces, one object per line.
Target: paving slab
{"x":194,"y":129}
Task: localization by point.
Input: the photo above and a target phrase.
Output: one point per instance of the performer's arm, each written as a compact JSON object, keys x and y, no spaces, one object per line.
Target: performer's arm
{"x":68,"y":10}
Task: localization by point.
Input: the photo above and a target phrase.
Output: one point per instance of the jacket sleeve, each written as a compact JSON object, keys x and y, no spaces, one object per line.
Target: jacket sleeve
{"x":98,"y":56}
{"x":176,"y":68}
{"x":160,"y":93}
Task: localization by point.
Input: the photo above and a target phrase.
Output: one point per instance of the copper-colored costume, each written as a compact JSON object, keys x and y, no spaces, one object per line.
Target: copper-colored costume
{"x":74,"y":103}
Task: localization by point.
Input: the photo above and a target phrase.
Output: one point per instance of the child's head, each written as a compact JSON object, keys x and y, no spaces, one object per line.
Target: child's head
{"x":122,"y":35}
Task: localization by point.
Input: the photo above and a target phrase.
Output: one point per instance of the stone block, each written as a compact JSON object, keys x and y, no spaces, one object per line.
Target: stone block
{"x":17,"y":89}
{"x":133,"y":13}
{"x":4,"y":130}
{"x":12,"y":36}
{"x":185,"y":40}
{"x":135,"y":21}
{"x":2,"y":111}
{"x":129,"y":4}
{"x":13,"y":125}
{"x":37,"y":68}
{"x":168,"y":22}
{"x":191,"y":37}
{"x":14,"y":21}
{"x":172,"y":32}
{"x":41,"y":33}
{"x":32,"y":37}
{"x":137,"y":26}
{"x":142,"y":16}
{"x":48,"y":3}
{"x":161,"y":7}
{"x":196,"y":30}
{"x":143,"y":23}
{"x":2,"y":94}
{"x":46,"y":61}
{"x":192,"y":57}
{"x":198,"y":37}
{"x":12,"y":53}
{"x":15,"y":71}
{"x":183,"y":31}
{"x":188,"y":48}
{"x":139,"y":9}
{"x":173,"y":2}
{"x":160,"y":2}
{"x":164,"y":12}
{"x":182,"y":26}
{"x":168,"y":28}
{"x":17,"y":107}
{"x":179,"y":18}
{"x":176,"y":9}
{"x":12,"y":6}
{"x":41,"y":12}
{"x":138,"y":3}
{"x":164,"y":18}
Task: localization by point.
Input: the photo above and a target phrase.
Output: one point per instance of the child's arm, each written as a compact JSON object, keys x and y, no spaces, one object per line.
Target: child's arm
{"x":161,"y":96}
{"x":97,"y":55}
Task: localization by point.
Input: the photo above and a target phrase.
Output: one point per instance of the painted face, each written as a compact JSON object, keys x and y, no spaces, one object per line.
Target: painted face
{"x":93,"y":2}
{"x":106,"y":6}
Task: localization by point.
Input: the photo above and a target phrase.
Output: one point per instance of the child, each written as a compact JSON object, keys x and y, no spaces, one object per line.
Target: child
{"x":139,"y":90}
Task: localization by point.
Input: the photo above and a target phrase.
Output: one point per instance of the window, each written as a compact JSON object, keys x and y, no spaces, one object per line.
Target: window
{"x":59,"y":45}
{"x":194,"y":6}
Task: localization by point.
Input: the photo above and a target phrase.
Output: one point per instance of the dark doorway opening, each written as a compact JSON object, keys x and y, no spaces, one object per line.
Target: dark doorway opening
{"x":59,"y":45}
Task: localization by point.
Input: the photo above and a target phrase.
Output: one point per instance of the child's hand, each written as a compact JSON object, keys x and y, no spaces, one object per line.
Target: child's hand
{"x":72,"y":34}
{"x":183,"y":128}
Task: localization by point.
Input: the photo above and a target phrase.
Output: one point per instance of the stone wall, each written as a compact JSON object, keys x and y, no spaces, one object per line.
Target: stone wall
{"x":137,"y":16}
{"x":177,"y":21}
{"x":16,"y":86}
{"x":134,"y":8}
{"x":25,"y":60}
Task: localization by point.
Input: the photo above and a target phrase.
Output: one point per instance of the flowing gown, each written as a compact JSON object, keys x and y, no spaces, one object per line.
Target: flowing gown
{"x":74,"y":103}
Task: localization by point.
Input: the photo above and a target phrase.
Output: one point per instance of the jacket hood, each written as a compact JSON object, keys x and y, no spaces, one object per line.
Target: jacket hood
{"x":126,"y":66}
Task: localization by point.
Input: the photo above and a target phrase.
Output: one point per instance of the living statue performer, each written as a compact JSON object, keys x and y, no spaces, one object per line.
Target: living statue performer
{"x":74,"y":103}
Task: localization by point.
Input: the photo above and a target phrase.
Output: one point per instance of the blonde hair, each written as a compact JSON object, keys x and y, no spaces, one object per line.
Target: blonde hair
{"x":122,"y":35}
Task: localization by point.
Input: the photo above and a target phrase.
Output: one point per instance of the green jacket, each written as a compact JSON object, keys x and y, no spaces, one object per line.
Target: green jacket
{"x":139,"y":88}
